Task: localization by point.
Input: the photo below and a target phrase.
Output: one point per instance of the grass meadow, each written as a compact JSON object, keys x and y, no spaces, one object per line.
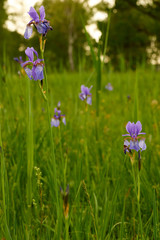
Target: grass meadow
{"x":87,"y":154}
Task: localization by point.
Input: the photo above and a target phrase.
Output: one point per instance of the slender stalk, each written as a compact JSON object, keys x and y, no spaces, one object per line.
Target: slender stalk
{"x":52,"y":148}
{"x":64,"y":163}
{"x":66,"y":229}
{"x":137,"y":193}
{"x":86,"y":142}
{"x":29,"y":145}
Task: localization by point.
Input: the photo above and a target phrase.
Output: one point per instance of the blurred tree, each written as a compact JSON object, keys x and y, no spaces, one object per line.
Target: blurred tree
{"x":9,"y":41}
{"x":68,"y":38}
{"x":2,"y":21}
{"x":130,"y":31}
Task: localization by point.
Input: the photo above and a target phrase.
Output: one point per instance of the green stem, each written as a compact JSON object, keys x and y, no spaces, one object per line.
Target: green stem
{"x":66,"y":229}
{"x":42,"y":44}
{"x":62,"y":157}
{"x":42,"y":92}
{"x":29,"y":146}
{"x":137,"y":193}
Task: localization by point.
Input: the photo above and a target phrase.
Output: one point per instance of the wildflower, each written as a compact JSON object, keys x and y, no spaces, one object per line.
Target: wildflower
{"x":109,"y":87}
{"x":36,"y":70}
{"x":41,"y":24}
{"x":55,"y":121}
{"x":86,"y":95}
{"x":134,"y":130}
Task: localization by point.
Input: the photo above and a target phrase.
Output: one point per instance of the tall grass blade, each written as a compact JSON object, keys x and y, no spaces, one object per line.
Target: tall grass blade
{"x":4,"y":187}
{"x":29,"y":144}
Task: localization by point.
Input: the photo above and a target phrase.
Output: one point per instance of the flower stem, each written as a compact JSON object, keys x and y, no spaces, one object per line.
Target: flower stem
{"x":53,"y":162}
{"x":137,"y":193}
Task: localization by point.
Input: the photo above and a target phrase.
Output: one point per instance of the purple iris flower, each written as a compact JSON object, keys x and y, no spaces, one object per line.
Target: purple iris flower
{"x":85,"y":94}
{"x":133,"y":129}
{"x":55,"y":121}
{"x":19,"y":60}
{"x":40,"y":23}
{"x":36,"y":70}
{"x":109,"y":87}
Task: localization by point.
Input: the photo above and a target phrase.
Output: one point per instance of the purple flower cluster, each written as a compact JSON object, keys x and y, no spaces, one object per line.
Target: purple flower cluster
{"x":34,"y":69}
{"x":134,"y":130}
{"x":55,"y":121}
{"x":40,"y":23}
{"x":85,"y":94}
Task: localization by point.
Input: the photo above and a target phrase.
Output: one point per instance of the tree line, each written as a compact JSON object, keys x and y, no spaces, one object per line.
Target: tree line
{"x":134,"y":34}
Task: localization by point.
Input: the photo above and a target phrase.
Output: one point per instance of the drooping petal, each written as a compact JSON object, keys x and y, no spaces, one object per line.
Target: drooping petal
{"x":138,"y":127}
{"x":64,"y":120}
{"x":134,"y":145}
{"x":142,"y":145}
{"x":55,"y":122}
{"x":42,"y":13}
{"x":28,"y":32}
{"x":126,"y":143}
{"x":82,"y":96}
{"x":37,"y":72}
{"x":89,"y":100}
{"x":33,"y":14}
{"x":29,"y":72}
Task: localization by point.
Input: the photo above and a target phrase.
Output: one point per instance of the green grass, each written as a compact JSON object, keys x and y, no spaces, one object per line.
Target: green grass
{"x":102,"y":200}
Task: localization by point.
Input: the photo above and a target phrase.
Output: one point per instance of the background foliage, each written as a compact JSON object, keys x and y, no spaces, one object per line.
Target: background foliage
{"x":133,"y":36}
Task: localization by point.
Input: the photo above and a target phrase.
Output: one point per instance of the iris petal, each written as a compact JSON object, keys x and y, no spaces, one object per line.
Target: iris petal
{"x":29,"y":72}
{"x":138,"y":127}
{"x":28,"y":32}
{"x":89,"y":100}
{"x":33,"y":14}
{"x":129,"y":127}
{"x":37,"y":72}
{"x":42,"y":13}
{"x":55,"y":122}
